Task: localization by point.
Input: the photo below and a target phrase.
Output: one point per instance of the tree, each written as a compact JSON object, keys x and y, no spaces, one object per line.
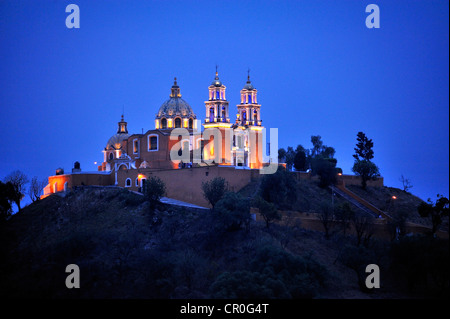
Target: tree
{"x":328,"y":152}
{"x":232,"y":211}
{"x":397,"y":224}
{"x":363,"y":225}
{"x":344,"y":214}
{"x":290,"y":155}
{"x":267,"y":210}
{"x":36,"y":188}
{"x":154,"y":189}
{"x":406,"y":183}
{"x":326,"y":169}
{"x":435,"y":211}
{"x":214,"y":190}
{"x":317,"y":143}
{"x":321,"y":161}
{"x":281,"y":155}
{"x":7,"y":195}
{"x":367,"y":170}
{"x":300,"y":158}
{"x":364,"y":147}
{"x":363,"y":166}
{"x":279,"y":189}
{"x":326,"y":216}
{"x":18,"y":179}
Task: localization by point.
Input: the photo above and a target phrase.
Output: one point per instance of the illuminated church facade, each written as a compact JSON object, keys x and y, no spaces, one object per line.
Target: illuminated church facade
{"x":178,"y":143}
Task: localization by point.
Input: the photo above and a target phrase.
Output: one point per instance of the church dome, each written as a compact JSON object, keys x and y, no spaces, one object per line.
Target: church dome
{"x":249,"y":86}
{"x":115,"y":141}
{"x":175,"y":106}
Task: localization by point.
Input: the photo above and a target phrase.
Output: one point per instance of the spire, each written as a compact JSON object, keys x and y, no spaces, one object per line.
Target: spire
{"x":249,"y":86}
{"x":175,"y":91}
{"x":216,"y":81}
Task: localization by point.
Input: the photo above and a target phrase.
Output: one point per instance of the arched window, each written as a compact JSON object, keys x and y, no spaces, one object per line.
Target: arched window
{"x":249,"y":98}
{"x":163,"y":123}
{"x":255,"y":115}
{"x":191,"y":123}
{"x":217,"y":95}
{"x":153,"y":142}
{"x":177,"y":122}
{"x":137,"y":181}
{"x":224,"y":114}
{"x":128,"y":182}
{"x":244,"y":116}
{"x":211,"y":114}
{"x":111,"y":156}
{"x":135,"y":146}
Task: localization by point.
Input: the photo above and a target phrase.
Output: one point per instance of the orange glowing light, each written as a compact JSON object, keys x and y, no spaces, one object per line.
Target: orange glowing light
{"x":394,"y":197}
{"x":140,"y":176}
{"x":340,"y":174}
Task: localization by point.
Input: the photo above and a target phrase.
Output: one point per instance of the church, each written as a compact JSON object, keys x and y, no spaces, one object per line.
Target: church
{"x":177,"y":149}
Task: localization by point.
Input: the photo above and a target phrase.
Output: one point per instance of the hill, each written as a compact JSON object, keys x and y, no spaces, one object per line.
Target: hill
{"x":126,"y":250}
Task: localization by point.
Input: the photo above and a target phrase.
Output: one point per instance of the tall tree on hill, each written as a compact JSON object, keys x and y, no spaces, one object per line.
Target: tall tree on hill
{"x":300,"y":162}
{"x":322,"y":162}
{"x":290,"y":155}
{"x":281,"y":155}
{"x":435,"y":211}
{"x":317,"y":143}
{"x":363,"y":149}
{"x":363,"y":166}
{"x":18,"y":179}
{"x":7,"y":195}
{"x":36,"y":188}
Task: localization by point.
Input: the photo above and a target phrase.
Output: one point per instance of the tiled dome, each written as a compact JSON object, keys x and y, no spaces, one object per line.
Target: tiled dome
{"x":175,"y":106}
{"x":115,"y":141}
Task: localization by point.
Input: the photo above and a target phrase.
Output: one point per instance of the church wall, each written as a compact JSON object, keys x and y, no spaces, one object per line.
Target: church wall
{"x":78,"y":180}
{"x":185,"y":184}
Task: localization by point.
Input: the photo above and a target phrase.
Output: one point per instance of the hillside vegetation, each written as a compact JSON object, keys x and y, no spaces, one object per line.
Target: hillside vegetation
{"x":126,"y":250}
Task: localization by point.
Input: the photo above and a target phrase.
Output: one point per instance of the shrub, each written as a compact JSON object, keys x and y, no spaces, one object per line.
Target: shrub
{"x":214,"y":190}
{"x":302,"y":277}
{"x":279,"y":189}
{"x":232,"y":211}
{"x":267,"y":210}
{"x":154,"y":189}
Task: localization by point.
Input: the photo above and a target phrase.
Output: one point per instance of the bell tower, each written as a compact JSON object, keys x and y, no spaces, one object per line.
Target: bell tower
{"x":248,"y":144}
{"x":249,"y":109}
{"x":217,"y":105}
{"x":217,"y":125}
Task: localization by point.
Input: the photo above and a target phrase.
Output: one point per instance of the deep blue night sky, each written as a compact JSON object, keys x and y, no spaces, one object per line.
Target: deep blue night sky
{"x":317,"y":68}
